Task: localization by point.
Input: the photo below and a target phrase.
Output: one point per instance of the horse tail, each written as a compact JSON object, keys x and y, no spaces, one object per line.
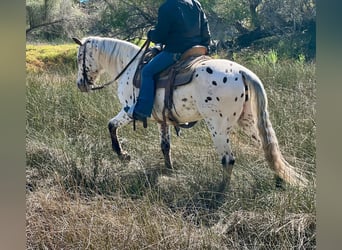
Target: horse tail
{"x":258,"y":101}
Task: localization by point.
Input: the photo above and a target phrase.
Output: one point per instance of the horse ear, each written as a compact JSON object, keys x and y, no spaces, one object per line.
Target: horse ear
{"x":76,"y":40}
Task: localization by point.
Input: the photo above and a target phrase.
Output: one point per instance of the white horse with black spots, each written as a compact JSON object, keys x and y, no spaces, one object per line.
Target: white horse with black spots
{"x":221,"y":92}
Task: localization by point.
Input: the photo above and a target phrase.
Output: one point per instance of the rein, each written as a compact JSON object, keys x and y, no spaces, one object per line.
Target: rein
{"x":145,"y":45}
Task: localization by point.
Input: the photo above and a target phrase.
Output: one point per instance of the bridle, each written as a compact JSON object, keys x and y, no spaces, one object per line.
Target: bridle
{"x":84,"y":72}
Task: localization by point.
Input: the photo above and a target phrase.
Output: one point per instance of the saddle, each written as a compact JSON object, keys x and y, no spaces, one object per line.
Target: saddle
{"x":178,"y":74}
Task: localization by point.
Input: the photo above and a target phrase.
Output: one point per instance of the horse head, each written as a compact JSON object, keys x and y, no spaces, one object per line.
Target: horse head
{"x":88,"y":67}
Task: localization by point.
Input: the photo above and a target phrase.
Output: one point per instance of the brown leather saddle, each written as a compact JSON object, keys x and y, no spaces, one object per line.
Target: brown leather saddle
{"x":178,"y":74}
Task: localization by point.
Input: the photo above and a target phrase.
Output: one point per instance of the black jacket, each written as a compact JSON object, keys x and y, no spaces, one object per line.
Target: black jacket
{"x":181,"y":25}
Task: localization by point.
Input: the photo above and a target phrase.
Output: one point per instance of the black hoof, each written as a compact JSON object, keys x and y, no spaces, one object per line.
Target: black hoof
{"x":124,"y":157}
{"x":280,"y":183}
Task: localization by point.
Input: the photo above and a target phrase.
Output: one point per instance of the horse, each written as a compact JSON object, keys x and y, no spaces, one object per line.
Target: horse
{"x":223,"y":93}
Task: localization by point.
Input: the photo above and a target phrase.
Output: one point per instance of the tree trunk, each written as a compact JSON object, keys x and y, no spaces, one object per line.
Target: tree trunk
{"x":248,"y":38}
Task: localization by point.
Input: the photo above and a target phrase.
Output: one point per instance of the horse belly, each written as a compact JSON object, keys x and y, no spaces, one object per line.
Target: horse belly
{"x":216,"y":91}
{"x":184,"y":104}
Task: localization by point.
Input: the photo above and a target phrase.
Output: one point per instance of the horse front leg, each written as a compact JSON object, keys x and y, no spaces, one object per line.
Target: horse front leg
{"x":165,"y":144}
{"x":114,"y":124}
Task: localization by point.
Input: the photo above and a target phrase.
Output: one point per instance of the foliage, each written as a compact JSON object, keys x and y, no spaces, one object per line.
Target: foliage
{"x":137,"y":17}
{"x":52,"y":20}
{"x":285,"y":26}
{"x":81,"y":196}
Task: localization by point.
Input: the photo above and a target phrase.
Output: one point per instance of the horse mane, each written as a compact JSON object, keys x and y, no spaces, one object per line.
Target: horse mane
{"x":112,"y":48}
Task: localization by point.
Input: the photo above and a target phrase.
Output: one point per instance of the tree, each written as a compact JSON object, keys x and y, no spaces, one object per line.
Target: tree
{"x":129,"y":19}
{"x":287,"y":26}
{"x":51,"y":19}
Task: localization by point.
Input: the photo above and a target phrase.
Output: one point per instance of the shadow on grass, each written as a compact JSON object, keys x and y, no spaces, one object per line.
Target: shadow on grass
{"x":198,"y":197}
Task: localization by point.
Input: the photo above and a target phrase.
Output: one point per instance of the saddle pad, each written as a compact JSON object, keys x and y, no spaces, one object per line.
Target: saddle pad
{"x":184,"y":71}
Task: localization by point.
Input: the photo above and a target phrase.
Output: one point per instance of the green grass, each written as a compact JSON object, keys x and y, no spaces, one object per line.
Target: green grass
{"x":81,"y":196}
{"x":44,"y":57}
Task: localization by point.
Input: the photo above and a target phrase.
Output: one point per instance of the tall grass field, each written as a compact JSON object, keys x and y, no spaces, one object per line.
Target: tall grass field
{"x":79,"y":195}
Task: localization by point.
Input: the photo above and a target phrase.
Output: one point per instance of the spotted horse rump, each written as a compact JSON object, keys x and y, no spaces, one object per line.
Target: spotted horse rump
{"x":221,"y":92}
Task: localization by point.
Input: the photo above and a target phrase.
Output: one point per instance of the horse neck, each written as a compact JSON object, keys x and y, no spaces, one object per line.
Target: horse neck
{"x":114,"y":55}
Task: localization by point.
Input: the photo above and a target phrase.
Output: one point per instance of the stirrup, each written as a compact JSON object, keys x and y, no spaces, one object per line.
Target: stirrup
{"x":130,"y":113}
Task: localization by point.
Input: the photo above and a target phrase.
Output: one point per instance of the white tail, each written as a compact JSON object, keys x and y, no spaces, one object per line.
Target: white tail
{"x":258,"y":102}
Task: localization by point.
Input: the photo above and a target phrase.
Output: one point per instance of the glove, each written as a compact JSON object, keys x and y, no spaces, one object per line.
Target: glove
{"x":156,"y":49}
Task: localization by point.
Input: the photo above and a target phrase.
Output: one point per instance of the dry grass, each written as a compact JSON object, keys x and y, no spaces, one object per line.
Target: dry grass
{"x":81,"y":196}
{"x":58,"y":221}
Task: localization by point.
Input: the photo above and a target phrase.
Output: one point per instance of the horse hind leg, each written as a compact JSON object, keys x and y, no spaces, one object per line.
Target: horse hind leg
{"x":221,"y":142}
{"x":113,"y":125}
{"x":165,"y":144}
{"x":247,"y":123}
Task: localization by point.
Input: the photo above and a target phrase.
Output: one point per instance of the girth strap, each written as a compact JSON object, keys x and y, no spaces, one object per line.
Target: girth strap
{"x":168,"y":99}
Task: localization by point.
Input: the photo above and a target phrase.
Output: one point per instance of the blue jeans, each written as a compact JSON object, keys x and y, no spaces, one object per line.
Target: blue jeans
{"x":145,"y":100}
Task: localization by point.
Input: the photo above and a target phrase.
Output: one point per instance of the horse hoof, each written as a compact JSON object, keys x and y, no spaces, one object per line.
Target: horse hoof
{"x":280,"y":183}
{"x":125,"y":157}
{"x":222,"y":188}
{"x":168,"y":165}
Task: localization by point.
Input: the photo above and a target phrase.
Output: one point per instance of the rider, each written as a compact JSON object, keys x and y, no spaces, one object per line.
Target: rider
{"x":181,"y":25}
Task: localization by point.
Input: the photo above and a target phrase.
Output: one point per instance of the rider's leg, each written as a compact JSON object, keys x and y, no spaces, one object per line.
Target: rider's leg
{"x":144,"y":105}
